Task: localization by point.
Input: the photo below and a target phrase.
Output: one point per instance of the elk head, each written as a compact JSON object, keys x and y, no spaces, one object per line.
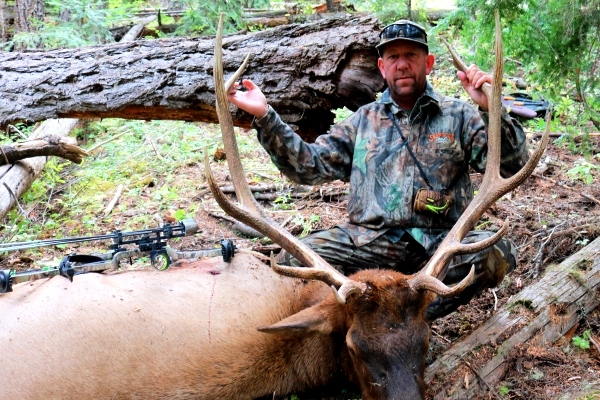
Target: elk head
{"x":380,"y":313}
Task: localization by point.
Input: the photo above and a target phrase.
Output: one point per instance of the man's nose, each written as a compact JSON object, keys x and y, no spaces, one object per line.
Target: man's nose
{"x":402,"y":63}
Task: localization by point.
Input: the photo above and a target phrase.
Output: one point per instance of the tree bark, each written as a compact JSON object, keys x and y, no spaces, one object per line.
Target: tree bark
{"x":551,"y":307}
{"x":25,"y":12}
{"x":330,"y":6}
{"x":3,"y":19}
{"x":304,"y":70}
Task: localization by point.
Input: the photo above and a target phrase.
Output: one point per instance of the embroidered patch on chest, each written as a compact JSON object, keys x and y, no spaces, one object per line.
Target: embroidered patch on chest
{"x":441,"y":137}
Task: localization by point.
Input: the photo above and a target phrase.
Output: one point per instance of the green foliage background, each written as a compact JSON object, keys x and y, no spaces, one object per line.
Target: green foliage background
{"x":89,"y":21}
{"x":557,"y":42}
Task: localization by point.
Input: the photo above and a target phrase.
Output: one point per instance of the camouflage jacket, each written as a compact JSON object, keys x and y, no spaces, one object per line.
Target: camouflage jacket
{"x":444,"y":134}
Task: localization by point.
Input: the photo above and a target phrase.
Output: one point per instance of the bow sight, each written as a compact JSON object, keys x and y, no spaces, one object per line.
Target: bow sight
{"x":148,"y":241}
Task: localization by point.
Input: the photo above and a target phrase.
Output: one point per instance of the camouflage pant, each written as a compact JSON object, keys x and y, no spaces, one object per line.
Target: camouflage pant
{"x":408,"y":256}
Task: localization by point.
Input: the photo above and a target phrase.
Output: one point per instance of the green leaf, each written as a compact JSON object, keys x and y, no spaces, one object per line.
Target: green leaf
{"x":582,"y":343}
{"x":179,"y":215}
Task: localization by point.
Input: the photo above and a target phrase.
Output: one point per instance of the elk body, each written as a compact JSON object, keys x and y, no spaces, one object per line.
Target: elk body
{"x":191,"y":332}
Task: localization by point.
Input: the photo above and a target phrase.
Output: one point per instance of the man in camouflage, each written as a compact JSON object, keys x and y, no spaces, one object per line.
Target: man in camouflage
{"x":411,"y":138}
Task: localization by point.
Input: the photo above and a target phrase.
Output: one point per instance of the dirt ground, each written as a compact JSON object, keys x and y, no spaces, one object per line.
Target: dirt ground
{"x":551,"y":217}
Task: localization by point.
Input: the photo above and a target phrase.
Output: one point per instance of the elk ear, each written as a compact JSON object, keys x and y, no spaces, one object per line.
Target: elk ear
{"x":312,"y":319}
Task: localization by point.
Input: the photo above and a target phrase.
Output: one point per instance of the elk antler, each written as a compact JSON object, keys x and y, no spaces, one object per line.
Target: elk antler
{"x":491,"y":189}
{"x":251,"y":213}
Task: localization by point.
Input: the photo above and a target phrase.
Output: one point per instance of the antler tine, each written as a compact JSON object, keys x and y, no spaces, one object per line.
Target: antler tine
{"x":242,"y":191}
{"x":493,"y":186}
{"x":254,"y":216}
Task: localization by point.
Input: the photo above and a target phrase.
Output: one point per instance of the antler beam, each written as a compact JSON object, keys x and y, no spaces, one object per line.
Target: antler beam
{"x":252,"y":214}
{"x":493,"y":186}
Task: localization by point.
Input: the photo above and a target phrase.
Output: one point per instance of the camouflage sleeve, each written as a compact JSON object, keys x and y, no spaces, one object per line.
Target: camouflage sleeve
{"x":513,"y":153}
{"x":328,"y":159}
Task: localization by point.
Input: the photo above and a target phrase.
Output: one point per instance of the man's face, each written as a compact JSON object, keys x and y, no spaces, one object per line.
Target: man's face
{"x":405,"y":66}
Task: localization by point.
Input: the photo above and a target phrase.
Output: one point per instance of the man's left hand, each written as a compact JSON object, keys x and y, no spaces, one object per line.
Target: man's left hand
{"x":472,"y":82}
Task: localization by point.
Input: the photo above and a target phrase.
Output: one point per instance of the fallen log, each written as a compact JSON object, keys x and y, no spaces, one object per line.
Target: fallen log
{"x":305,"y":71}
{"x":552,"y":307}
{"x":264,"y":13}
{"x":50,"y":145}
{"x":134,"y":32}
{"x":267,"y":22}
{"x":19,"y":176}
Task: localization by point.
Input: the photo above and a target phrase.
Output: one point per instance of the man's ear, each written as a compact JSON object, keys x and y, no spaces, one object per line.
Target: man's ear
{"x":429,"y":63}
{"x":380,"y":65}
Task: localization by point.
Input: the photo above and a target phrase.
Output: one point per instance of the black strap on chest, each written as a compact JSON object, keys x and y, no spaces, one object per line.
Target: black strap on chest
{"x":417,"y":163}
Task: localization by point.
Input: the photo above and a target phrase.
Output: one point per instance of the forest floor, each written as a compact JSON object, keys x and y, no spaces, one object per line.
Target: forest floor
{"x":552,"y":215}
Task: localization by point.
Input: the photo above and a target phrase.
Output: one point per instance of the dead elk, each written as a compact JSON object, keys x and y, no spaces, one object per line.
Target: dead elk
{"x":380,"y":313}
{"x":190,"y":332}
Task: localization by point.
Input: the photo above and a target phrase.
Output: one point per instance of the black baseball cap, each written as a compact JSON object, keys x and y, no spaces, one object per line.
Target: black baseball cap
{"x":402,"y":30}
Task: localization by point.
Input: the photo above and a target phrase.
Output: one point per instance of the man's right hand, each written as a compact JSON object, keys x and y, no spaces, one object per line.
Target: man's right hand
{"x":252,"y":100}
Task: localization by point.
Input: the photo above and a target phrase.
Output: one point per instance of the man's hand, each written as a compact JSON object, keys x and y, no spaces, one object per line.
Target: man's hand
{"x":472,"y":82}
{"x":252,"y":100}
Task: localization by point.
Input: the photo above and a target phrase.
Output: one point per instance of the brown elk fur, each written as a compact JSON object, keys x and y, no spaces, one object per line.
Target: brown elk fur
{"x":190,"y":332}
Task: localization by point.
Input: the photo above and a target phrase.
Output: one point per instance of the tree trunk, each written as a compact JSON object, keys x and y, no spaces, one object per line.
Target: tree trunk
{"x":3,"y":19}
{"x":267,"y":22}
{"x":552,"y":306}
{"x":64,"y":14}
{"x":304,"y":70}
{"x":25,"y":12}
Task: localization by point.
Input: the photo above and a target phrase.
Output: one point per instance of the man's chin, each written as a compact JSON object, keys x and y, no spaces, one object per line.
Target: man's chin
{"x":405,"y":90}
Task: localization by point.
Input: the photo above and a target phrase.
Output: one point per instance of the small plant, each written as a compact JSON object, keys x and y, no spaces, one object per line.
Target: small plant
{"x":283,"y":202}
{"x":503,"y":391}
{"x":583,"y":341}
{"x":583,"y":171}
{"x":307,"y":225}
{"x":582,"y":242}
{"x":564,"y":107}
{"x":179,"y":215}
